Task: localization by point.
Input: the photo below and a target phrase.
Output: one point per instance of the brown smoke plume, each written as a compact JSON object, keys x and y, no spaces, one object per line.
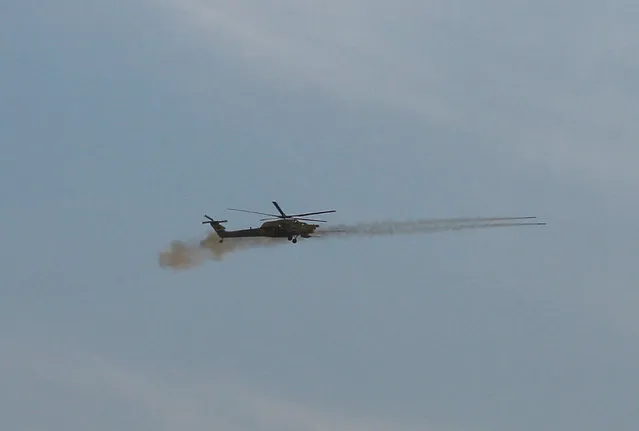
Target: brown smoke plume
{"x":184,"y":255}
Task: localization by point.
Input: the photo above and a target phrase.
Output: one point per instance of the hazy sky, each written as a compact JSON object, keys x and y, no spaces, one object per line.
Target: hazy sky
{"x":123,"y":122}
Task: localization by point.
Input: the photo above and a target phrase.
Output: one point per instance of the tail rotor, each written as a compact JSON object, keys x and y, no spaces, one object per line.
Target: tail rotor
{"x":210,"y":220}
{"x":215,"y":224}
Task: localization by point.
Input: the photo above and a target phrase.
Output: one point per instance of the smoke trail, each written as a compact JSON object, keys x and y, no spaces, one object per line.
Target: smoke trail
{"x":421,"y":226}
{"x":184,"y":255}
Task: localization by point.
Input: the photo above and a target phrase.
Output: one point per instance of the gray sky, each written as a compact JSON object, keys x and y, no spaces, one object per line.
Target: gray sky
{"x":122,"y":124}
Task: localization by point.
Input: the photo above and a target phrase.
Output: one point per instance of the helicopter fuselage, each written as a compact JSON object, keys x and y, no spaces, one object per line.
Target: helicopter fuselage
{"x":285,"y":226}
{"x":289,"y":229}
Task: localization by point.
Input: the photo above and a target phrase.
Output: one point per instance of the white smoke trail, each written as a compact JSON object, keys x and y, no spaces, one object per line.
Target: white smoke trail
{"x":184,"y":255}
{"x":420,"y":226}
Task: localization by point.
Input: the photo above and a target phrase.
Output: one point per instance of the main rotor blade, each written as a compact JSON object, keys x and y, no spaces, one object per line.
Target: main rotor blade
{"x":279,"y":209}
{"x":253,"y":212}
{"x":313,"y":213}
{"x":289,"y":218}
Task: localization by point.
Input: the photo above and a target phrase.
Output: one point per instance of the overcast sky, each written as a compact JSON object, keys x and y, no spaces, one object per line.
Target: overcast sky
{"x":123,"y":122}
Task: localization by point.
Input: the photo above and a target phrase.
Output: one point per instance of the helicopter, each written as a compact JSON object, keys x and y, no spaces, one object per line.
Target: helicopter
{"x":289,"y":226}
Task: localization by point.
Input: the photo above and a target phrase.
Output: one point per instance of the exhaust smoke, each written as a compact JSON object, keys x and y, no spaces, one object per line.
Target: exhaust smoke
{"x":185,"y":255}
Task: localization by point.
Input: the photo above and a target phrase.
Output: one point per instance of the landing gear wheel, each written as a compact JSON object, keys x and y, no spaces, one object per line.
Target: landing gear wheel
{"x":294,"y":240}
{"x":290,"y":238}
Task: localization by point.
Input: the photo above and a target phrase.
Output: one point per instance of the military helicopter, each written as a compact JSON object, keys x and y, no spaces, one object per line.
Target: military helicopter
{"x":282,"y":226}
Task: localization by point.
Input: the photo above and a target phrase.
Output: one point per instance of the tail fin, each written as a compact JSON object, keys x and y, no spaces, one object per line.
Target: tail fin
{"x":215,"y":224}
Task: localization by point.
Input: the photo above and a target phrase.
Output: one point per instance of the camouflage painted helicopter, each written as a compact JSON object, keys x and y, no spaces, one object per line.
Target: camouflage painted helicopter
{"x":283,"y":226}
